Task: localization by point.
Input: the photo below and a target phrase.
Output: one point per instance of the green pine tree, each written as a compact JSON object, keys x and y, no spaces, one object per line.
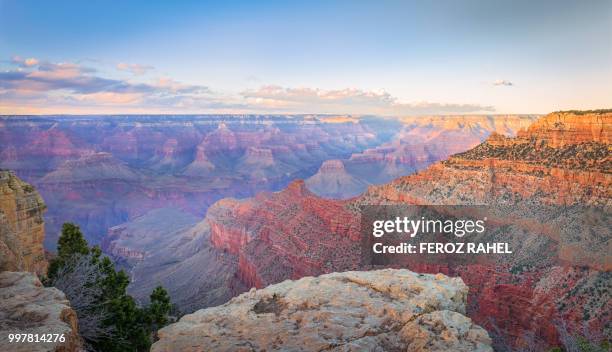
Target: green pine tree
{"x":160,"y":306}
{"x":132,"y":327}
{"x":71,"y":242}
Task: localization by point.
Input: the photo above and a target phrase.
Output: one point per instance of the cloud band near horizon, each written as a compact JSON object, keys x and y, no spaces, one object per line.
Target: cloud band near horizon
{"x":34,"y":86}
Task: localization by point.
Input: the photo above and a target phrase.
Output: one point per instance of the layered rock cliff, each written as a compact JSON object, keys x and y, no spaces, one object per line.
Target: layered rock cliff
{"x":22,"y":229}
{"x":284,"y":235}
{"x":420,"y":142}
{"x":536,"y":186}
{"x":26,"y":307}
{"x":386,"y":310}
{"x":553,"y":185}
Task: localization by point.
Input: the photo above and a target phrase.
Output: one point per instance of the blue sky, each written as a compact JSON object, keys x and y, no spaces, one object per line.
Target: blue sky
{"x":359,"y":57}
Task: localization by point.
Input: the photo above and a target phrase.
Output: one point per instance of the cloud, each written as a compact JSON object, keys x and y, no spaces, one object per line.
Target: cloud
{"x":65,"y":76}
{"x":24,"y":62}
{"x":68,"y":87}
{"x":502,"y":82}
{"x":349,"y":100}
{"x":136,"y":69}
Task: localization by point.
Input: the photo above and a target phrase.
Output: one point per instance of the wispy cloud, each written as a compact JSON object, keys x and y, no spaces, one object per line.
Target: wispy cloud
{"x":349,"y":100}
{"x":136,"y":69}
{"x":502,"y":82}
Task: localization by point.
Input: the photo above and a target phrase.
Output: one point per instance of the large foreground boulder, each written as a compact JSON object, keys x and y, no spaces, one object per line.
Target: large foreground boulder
{"x":384,"y":310}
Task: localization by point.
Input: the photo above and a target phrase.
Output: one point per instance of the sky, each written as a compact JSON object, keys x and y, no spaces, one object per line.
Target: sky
{"x":394,"y":58}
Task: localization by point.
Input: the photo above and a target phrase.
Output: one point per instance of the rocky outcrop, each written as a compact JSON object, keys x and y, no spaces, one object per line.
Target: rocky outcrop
{"x":333,"y":181}
{"x":200,"y":164}
{"x":384,"y":310}
{"x":26,"y":307}
{"x":22,"y":229}
{"x":91,"y":167}
{"x":570,"y":128}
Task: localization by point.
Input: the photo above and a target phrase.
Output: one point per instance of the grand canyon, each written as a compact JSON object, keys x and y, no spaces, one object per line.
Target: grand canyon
{"x":229,"y":210}
{"x":240,"y":176}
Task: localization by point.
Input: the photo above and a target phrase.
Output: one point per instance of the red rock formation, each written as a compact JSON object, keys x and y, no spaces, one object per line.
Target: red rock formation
{"x":228,"y":238}
{"x":561,"y":129}
{"x":545,"y":165}
{"x":319,"y":228}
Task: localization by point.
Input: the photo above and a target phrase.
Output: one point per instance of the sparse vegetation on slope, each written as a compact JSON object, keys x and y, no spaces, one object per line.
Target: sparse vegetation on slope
{"x":584,"y":112}
{"x":591,"y":156}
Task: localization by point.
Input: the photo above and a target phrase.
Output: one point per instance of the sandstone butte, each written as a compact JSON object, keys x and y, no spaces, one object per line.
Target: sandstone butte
{"x":384,"y":310}
{"x":557,"y":282}
{"x":25,"y":305}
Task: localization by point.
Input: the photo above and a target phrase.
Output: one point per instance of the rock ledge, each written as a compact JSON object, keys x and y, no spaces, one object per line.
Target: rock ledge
{"x":384,"y":310}
{"x":26,"y":307}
